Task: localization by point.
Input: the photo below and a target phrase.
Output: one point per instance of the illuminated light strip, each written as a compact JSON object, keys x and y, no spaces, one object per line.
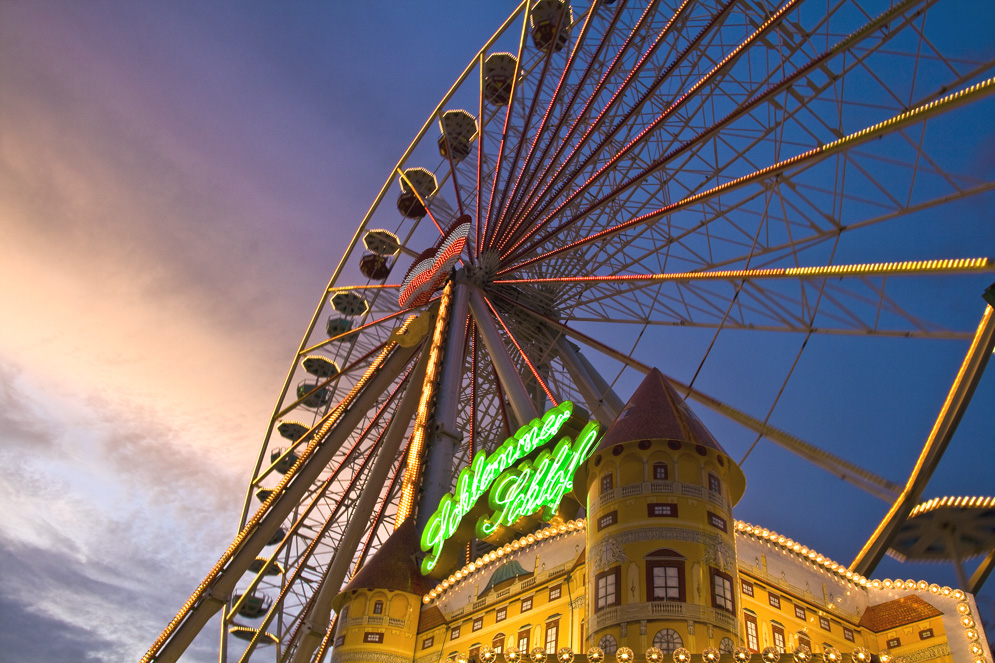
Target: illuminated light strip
{"x":433,"y":265}
{"x":495,"y":555}
{"x":960,"y":502}
{"x":328,"y":381}
{"x":412,"y":477}
{"x":344,"y":335}
{"x":373,"y":286}
{"x":226,"y":557}
{"x":520,"y":351}
{"x":816,"y":154}
{"x":803,"y":552}
{"x":904,"y":268}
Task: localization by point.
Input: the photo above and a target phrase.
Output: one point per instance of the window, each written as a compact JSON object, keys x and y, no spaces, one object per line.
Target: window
{"x":555,"y":592}
{"x":523,"y":641}
{"x":501,"y":614}
{"x":660,"y":472}
{"x":726,"y":646}
{"x":339,"y":641}
{"x":894,"y":642}
{"x":824,"y":623}
{"x":665,"y":579}
{"x":526,"y":604}
{"x":455,"y":633}
{"x":607,"y":519}
{"x":668,"y":641}
{"x":774,"y":600}
{"x":752,"y":639}
{"x":498,"y":643}
{"x":722,"y":591}
{"x":552,"y":633}
{"x":478,"y":623}
{"x":428,"y":642}
{"x":747,"y":587}
{"x":370,"y":636}
{"x":661,"y":510}
{"x":607,"y":482}
{"x":714,"y":484}
{"x":475,"y":653}
{"x":608,"y":644}
{"x":378,"y":607}
{"x":924,"y":634}
{"x":606,"y":587}
{"x":848,"y":634}
{"x":799,"y":612}
{"x":717,"y":521}
{"x":803,"y":641}
{"x":777,"y":631}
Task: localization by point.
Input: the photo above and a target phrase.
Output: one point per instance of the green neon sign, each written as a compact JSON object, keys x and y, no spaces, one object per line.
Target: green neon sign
{"x":514,"y":491}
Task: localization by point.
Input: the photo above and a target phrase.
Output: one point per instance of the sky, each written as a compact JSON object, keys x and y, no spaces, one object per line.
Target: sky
{"x":176,"y":183}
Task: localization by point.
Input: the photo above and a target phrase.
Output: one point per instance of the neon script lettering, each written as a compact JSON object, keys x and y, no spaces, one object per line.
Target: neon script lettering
{"x":552,"y":472}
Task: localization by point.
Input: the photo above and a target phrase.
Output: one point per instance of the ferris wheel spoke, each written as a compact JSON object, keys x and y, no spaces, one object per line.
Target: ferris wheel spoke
{"x":541,"y":198}
{"x":762,"y":97}
{"x":789,"y":166}
{"x":510,"y":189}
{"x":592,"y":95}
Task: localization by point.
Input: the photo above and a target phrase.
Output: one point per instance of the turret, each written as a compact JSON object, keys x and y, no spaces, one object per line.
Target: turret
{"x":378,"y":610}
{"x":661,"y":552}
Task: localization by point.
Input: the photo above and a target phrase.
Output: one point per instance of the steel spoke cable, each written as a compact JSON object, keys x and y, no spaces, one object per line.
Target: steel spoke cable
{"x":521,"y":352}
{"x":762,"y":97}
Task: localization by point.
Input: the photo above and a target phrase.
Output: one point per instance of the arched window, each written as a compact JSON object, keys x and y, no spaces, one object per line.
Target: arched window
{"x":668,"y":640}
{"x":726,"y":646}
{"x":498,"y":643}
{"x":608,"y":644}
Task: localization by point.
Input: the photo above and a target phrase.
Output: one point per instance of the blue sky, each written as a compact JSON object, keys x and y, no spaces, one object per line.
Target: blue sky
{"x":176,"y":183}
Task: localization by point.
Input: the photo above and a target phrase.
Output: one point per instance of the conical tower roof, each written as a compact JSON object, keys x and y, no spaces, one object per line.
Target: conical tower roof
{"x":657,"y":412}
{"x":393,"y":567}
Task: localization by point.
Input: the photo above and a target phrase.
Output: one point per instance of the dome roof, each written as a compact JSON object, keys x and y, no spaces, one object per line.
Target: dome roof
{"x":507,"y":571}
{"x":657,"y":412}
{"x":393,"y":567}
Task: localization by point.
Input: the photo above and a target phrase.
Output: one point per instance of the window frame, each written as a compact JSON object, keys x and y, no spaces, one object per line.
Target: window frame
{"x":374,"y":637}
{"x":746,"y":587}
{"x":428,"y":642}
{"x":339,"y":641}
{"x":717,"y":521}
{"x":527,"y":638}
{"x":775,"y":631}
{"x":926,"y":634}
{"x":608,"y":519}
{"x":825,"y":624}
{"x":892,"y":643}
{"x":714,"y":483}
{"x":670,"y":506}
{"x":714,"y":575}
{"x":656,"y":473}
{"x":774,"y":600}
{"x":498,"y":647}
{"x":800,"y":613}
{"x":607,"y":482}
{"x":651,"y":586}
{"x":525,"y":608}
{"x":478,"y":624}
{"x":454,"y":634}
{"x":553,"y":626}
{"x":501,"y":614}
{"x":615,"y":573}
{"x":378,"y":607}
{"x":558,"y":589}
{"x":752,"y":639}
{"x":848,"y":634}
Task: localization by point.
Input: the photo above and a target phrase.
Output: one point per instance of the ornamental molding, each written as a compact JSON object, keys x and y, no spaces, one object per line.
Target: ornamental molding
{"x":371,"y":657}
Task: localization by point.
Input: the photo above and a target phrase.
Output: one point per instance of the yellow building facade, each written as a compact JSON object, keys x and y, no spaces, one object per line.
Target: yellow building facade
{"x":659,"y":570}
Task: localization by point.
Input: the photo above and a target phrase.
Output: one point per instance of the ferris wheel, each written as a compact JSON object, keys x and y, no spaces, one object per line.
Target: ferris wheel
{"x":607,"y":188}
